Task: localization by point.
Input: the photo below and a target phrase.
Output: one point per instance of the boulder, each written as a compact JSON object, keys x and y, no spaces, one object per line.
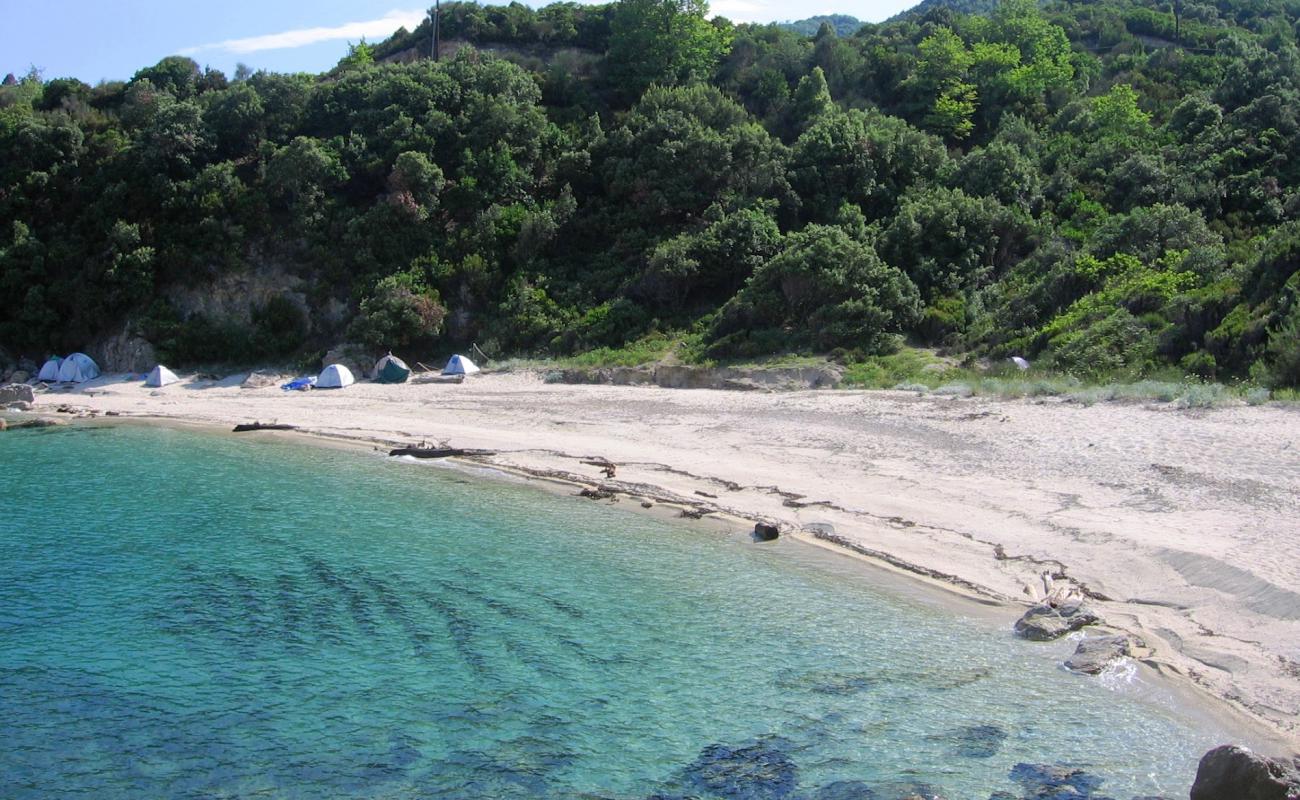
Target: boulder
{"x":19,"y":376}
{"x":16,"y":393}
{"x":1235,"y":773}
{"x":1095,"y":653}
{"x":355,"y":357}
{"x":765,"y":533}
{"x":261,"y":379}
{"x":1052,"y":619}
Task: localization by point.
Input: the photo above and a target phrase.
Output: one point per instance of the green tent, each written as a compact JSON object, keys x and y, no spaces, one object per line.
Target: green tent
{"x":391,"y":369}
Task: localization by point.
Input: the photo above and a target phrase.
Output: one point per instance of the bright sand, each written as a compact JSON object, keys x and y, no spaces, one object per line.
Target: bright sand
{"x":1187,"y":522}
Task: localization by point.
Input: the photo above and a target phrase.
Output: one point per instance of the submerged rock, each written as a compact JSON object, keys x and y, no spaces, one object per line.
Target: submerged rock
{"x":974,"y":741}
{"x":1094,"y":654}
{"x":1235,"y":773}
{"x":845,"y":790}
{"x":1052,"y":619}
{"x":765,"y":533}
{"x":909,"y":791}
{"x":758,"y":770}
{"x":16,"y":393}
{"x":1055,"y":781}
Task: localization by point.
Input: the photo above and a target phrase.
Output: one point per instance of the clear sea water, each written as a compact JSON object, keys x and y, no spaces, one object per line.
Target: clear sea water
{"x":195,"y":615}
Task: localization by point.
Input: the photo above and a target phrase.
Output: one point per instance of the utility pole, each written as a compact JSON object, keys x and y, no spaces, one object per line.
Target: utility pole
{"x":437,"y":15}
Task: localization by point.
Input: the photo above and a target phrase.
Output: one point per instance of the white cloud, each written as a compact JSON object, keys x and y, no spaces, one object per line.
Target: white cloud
{"x":373,"y":29}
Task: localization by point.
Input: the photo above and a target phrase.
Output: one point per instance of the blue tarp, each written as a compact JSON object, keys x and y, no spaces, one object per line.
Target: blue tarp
{"x":299,"y":384}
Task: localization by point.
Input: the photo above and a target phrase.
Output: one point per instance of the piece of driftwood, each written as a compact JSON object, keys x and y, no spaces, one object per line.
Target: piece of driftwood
{"x":426,"y":377}
{"x":438,"y":452}
{"x":264,"y":426}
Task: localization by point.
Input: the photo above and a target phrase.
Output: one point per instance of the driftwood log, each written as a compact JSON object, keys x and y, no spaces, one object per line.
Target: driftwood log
{"x":264,"y":426}
{"x":438,"y":452}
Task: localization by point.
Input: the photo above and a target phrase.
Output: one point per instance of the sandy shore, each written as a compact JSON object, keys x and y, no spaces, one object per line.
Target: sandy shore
{"x":1185,"y":525}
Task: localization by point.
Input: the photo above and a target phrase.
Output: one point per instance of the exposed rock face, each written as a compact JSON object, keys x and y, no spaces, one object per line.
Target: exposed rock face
{"x":1052,"y":619}
{"x":1235,"y":773}
{"x":123,"y":352}
{"x":16,"y":393}
{"x":1094,"y":654}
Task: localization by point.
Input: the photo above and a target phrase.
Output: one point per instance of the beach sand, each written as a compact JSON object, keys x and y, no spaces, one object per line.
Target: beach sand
{"x":1184,"y":525}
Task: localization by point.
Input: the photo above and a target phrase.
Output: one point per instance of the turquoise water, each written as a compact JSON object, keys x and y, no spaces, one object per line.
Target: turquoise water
{"x":190,"y":615}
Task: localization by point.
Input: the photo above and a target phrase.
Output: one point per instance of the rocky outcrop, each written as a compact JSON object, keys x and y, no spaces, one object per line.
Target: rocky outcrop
{"x":123,"y":352}
{"x":1094,"y":654}
{"x":353,"y":356}
{"x":1235,"y":773}
{"x":1053,"y":618}
{"x":16,"y":393}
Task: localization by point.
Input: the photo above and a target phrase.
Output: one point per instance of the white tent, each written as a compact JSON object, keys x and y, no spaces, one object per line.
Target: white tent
{"x":161,"y":376}
{"x":50,"y":372}
{"x":78,"y":368}
{"x":459,"y":365}
{"x":335,"y":376}
{"x":1020,"y":362}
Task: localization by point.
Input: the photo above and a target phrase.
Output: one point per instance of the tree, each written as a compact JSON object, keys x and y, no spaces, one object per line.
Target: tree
{"x":666,"y":42}
{"x":400,"y":311}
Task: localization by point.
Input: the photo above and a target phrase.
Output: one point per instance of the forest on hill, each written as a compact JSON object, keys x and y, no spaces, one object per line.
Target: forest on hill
{"x":1107,"y":187}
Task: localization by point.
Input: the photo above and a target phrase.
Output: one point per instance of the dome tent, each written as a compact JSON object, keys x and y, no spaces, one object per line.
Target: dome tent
{"x":161,"y":376}
{"x":50,"y":371}
{"x":335,"y":376}
{"x":391,"y":369}
{"x":78,"y":368}
{"x":459,"y":365}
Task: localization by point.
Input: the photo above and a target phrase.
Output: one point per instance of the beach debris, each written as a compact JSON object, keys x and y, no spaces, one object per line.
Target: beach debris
{"x":1054,"y":780}
{"x":607,"y":468}
{"x":761,"y":769}
{"x":1057,"y":615}
{"x":973,"y":741}
{"x":694,"y":513}
{"x":764,"y":532}
{"x":706,"y":494}
{"x":599,"y":493}
{"x":263,"y":426}
{"x":439,"y":452}
{"x":1230,"y":772}
{"x":1094,"y":654}
{"x":17,"y":393}
{"x":647,"y":504}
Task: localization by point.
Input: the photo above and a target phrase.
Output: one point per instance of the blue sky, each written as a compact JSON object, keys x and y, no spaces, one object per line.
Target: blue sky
{"x":95,"y":41}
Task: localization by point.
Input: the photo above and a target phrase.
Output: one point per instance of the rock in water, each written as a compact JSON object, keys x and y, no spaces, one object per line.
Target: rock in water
{"x":16,"y":393}
{"x":1235,"y":773}
{"x":1050,"y":782}
{"x":1093,"y":655}
{"x":759,"y":770}
{"x":845,"y":790}
{"x":765,"y":533}
{"x":974,"y":741}
{"x":1048,"y":620}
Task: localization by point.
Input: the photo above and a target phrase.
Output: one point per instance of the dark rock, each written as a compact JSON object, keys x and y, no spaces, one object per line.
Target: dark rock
{"x":16,"y":393}
{"x":845,"y":790}
{"x":765,"y":533}
{"x":41,"y":422}
{"x":758,"y":770}
{"x":596,"y":494}
{"x":1052,"y":620}
{"x":19,"y":376}
{"x":974,"y":741}
{"x":1094,"y":654}
{"x":1235,"y":773}
{"x":1055,"y":782}
{"x":909,"y":791}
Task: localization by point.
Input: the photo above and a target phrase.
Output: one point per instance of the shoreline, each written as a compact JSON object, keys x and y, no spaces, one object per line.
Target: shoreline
{"x":968,"y":564}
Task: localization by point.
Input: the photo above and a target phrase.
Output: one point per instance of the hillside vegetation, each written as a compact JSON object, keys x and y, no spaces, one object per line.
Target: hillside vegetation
{"x":1102,"y":187}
